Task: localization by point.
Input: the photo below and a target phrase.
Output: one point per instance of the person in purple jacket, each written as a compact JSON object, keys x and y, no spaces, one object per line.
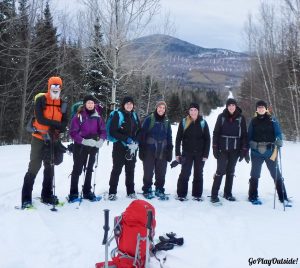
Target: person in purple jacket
{"x":88,"y":132}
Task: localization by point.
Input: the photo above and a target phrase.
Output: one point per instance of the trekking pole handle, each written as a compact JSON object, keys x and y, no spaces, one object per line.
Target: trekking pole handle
{"x":106,"y":226}
{"x":149,"y":219}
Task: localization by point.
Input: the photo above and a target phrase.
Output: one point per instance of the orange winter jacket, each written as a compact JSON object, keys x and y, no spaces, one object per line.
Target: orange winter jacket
{"x":47,"y":112}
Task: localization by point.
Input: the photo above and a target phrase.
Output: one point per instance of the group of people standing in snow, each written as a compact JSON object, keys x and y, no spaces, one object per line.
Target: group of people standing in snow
{"x":153,"y":141}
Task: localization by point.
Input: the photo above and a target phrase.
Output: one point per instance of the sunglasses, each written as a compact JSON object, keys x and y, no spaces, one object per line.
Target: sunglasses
{"x":55,"y":86}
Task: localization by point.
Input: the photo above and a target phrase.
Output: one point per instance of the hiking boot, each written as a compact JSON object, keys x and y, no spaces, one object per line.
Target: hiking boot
{"x":72,"y":198}
{"x":26,"y":204}
{"x":132,"y":196}
{"x":181,"y":198}
{"x":197,"y":198}
{"x":51,"y":200}
{"x":229,"y":197}
{"x":90,"y":196}
{"x":159,"y":192}
{"x":112,"y":197}
{"x":148,"y":194}
{"x":214,"y":199}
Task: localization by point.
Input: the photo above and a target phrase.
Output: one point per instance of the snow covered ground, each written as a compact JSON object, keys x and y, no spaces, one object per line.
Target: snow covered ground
{"x":234,"y":235}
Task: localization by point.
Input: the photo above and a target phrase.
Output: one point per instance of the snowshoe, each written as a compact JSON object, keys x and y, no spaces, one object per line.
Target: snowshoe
{"x":181,"y":198}
{"x":215,"y":201}
{"x":255,"y":201}
{"x":26,"y":206}
{"x":287,"y":203}
{"x":73,"y":198}
{"x":148,"y":195}
{"x":230,"y":198}
{"x":161,"y":195}
{"x":132,"y":196}
{"x":112,"y":197}
{"x":92,"y":197}
{"x":199,"y":199}
{"x":49,"y":201}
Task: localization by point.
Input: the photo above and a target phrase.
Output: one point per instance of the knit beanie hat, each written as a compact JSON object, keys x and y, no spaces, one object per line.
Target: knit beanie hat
{"x":127,"y":99}
{"x":161,"y":102}
{"x":89,"y":98}
{"x":261,"y":103}
{"x":231,"y":101}
{"x":194,"y":105}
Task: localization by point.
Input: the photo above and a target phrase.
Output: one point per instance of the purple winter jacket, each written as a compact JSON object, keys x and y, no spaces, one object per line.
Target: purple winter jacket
{"x":85,"y":126}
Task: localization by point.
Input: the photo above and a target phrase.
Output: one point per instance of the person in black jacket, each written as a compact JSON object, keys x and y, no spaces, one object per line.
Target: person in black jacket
{"x":155,"y":150}
{"x":193,"y":134}
{"x":229,"y":145}
{"x":124,"y":149}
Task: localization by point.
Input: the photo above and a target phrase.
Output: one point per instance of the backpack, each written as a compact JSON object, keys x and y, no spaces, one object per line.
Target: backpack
{"x":152,"y":122}
{"x":121,"y":120}
{"x":202,"y":123}
{"x":74,"y":107}
{"x":239,"y":120}
{"x":130,"y":234}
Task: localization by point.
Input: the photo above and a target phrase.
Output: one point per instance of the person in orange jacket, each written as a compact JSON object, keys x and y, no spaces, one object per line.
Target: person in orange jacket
{"x":49,"y":120}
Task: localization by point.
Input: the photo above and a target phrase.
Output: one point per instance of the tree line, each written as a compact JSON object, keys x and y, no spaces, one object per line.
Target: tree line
{"x":273,"y":42}
{"x":32,"y":49}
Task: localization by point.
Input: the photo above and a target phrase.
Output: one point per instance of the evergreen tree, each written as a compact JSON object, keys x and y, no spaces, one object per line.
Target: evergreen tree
{"x":174,"y":108}
{"x":97,"y":74}
{"x":45,"y":54}
{"x":7,"y":69}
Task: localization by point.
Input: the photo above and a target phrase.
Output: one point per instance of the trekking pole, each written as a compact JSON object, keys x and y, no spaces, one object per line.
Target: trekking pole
{"x":149,"y":230}
{"x":95,"y":172}
{"x":282,"y":184}
{"x":276,"y":174}
{"x":84,"y":172}
{"x":52,"y":173}
{"x":106,"y":229}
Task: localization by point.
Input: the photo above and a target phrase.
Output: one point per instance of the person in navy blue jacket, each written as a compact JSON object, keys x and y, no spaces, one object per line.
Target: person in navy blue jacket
{"x":155,"y":150}
{"x":264,"y":135}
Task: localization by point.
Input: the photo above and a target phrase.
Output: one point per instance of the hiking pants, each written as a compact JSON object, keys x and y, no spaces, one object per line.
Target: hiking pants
{"x":82,"y":154}
{"x":119,"y":160}
{"x":153,"y":165}
{"x":225,"y":165}
{"x":36,"y":159}
{"x":256,"y":165}
{"x":186,"y":168}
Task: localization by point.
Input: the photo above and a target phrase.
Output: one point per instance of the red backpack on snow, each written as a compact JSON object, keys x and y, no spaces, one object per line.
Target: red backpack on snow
{"x":130,"y":232}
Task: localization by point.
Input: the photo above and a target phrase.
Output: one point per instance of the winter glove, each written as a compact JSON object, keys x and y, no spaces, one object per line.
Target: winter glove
{"x":216,"y":152}
{"x":99,"y":143}
{"x":89,"y":142}
{"x":169,"y":153}
{"x":133,"y":147}
{"x":247,"y":158}
{"x":244,"y":154}
{"x":129,"y":140}
{"x":278,"y":143}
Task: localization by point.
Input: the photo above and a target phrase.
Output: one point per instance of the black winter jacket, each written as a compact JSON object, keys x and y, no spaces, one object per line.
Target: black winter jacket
{"x":194,"y":139}
{"x":128,"y":129}
{"x":230,"y":132}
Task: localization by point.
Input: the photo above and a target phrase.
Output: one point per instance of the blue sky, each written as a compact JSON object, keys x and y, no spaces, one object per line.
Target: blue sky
{"x":207,"y":23}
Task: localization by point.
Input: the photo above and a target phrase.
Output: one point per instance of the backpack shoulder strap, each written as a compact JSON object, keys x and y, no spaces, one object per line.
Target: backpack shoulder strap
{"x":183,"y":123}
{"x":202,"y":124}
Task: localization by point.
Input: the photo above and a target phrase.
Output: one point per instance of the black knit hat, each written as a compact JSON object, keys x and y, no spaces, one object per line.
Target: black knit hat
{"x":127,"y":99}
{"x":231,"y":101}
{"x":261,"y":103}
{"x":89,"y":98}
{"x":194,"y":105}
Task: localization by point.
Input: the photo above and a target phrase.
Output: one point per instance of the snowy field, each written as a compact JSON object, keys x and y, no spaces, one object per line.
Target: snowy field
{"x":234,"y":235}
